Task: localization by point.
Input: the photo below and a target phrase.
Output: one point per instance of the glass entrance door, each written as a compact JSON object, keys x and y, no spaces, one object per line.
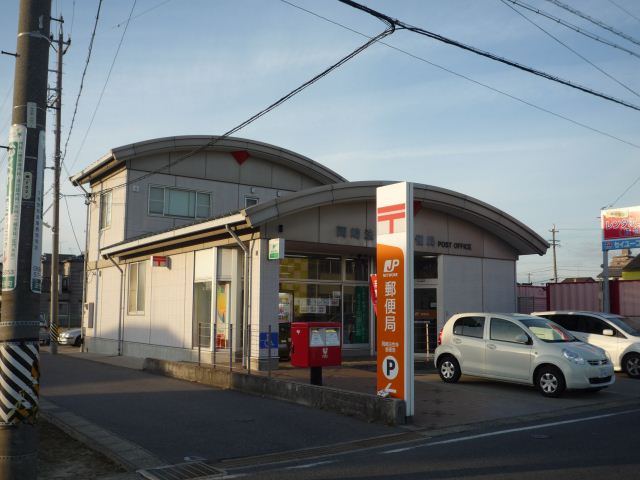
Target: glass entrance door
{"x":425,"y":317}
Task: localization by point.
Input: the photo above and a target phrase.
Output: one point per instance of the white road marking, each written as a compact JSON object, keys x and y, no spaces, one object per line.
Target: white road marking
{"x":309,"y":465}
{"x":510,"y":430}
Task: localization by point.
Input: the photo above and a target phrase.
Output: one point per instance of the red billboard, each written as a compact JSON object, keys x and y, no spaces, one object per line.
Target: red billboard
{"x":621,"y":223}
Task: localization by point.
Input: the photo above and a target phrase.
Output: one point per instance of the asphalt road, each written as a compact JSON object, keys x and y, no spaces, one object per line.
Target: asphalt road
{"x":591,"y":446}
{"x":174,"y":419}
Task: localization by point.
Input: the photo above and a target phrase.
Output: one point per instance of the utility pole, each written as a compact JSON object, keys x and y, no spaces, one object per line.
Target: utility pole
{"x":21,"y":277}
{"x":55,"y":224}
{"x":554,"y":243}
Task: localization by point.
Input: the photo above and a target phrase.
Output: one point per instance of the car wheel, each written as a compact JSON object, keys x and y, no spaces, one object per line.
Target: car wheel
{"x":550,"y":381}
{"x":77,"y":341}
{"x":449,"y":369}
{"x":631,"y":365}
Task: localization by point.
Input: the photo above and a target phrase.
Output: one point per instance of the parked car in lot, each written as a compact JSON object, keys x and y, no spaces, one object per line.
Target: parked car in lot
{"x":520,"y":349}
{"x":605,"y":330}
{"x":72,"y":336}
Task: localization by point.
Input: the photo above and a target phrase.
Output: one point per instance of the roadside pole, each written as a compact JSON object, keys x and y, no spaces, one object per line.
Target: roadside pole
{"x":55,"y":224}
{"x":21,"y":277}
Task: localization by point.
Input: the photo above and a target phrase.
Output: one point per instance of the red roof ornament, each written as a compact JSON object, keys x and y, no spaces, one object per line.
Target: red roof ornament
{"x":240,"y":156}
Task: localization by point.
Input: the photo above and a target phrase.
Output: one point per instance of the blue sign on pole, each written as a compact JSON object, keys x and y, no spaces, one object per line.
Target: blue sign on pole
{"x":620,"y":244}
{"x":264,"y":340}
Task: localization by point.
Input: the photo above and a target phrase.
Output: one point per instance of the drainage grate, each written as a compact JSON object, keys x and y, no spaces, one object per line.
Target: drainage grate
{"x":181,"y":471}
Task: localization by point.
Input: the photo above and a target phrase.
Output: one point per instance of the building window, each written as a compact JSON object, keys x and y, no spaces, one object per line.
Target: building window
{"x":137,"y":282}
{"x":105,"y":210}
{"x":174,"y":202}
{"x":250,"y":201}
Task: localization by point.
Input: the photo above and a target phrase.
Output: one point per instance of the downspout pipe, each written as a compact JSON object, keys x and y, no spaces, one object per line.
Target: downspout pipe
{"x":246,"y":352}
{"x":120,"y":325}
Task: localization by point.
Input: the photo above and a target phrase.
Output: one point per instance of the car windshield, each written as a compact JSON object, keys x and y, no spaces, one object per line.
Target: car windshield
{"x":547,"y":331}
{"x":621,"y":323}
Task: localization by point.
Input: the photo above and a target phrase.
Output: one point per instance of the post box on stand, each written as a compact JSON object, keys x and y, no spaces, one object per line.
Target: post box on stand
{"x":315,"y":345}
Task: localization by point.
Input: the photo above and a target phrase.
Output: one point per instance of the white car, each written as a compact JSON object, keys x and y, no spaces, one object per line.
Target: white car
{"x":72,"y":336}
{"x":520,"y":349}
{"x":605,"y":330}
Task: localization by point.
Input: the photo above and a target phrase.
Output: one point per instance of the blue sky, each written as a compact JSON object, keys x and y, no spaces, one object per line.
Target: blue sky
{"x":203,"y":66}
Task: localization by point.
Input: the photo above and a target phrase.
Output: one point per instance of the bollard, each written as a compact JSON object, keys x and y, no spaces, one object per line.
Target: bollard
{"x":249,"y":349}
{"x":269,"y":351}
{"x":199,"y":340}
{"x":230,"y":349}
{"x":215,"y":341}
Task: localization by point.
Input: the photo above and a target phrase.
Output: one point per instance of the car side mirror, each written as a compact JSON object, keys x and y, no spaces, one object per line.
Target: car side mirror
{"x":607,"y":332}
{"x":522,"y":338}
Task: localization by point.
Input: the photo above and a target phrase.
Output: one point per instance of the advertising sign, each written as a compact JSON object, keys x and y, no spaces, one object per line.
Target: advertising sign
{"x":620,"y":228}
{"x":36,"y":243}
{"x":276,"y":249}
{"x":17,"y":144}
{"x":394,"y":216}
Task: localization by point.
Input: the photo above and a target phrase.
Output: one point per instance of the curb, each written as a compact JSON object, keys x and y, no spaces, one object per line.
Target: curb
{"x":123,"y":452}
{"x":371,"y":408}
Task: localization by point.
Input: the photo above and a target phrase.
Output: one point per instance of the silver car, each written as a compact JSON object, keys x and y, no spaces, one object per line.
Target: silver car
{"x":72,"y":336}
{"x":520,"y":349}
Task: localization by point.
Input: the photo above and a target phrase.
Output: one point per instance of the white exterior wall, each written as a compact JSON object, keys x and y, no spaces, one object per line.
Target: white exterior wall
{"x":168,"y":297}
{"x":264,"y":298}
{"x":116,"y":231}
{"x":475,"y":285}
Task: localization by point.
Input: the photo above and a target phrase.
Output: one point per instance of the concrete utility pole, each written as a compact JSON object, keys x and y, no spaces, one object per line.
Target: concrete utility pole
{"x":554,"y":243}
{"x":55,"y":224}
{"x":21,"y":277}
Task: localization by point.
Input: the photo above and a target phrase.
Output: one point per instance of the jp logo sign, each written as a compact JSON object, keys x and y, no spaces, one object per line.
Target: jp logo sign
{"x":391,"y":265}
{"x":390,"y":367}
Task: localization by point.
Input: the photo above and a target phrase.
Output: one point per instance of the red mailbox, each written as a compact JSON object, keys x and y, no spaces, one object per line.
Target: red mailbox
{"x":316,"y":344}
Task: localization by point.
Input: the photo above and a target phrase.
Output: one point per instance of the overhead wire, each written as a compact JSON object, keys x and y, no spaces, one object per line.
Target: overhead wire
{"x":390,"y":28}
{"x":80,"y":89}
{"x":625,"y":10}
{"x":71,"y":223}
{"x":494,"y":57}
{"x":144,"y":12}
{"x":573,"y":27}
{"x":578,"y":54}
{"x":595,"y":21}
{"x":104,"y":87}
{"x":472,"y":80}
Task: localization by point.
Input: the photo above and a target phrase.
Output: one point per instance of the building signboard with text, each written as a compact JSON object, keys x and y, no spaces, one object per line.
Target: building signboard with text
{"x":394,"y":216}
{"x":620,"y":228}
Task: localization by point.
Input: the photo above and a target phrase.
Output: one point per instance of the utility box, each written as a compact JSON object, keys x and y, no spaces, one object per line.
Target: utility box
{"x":316,"y":344}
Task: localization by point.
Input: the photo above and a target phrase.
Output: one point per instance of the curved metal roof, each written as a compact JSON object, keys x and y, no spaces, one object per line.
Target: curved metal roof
{"x":116,"y":157}
{"x":523,"y":240}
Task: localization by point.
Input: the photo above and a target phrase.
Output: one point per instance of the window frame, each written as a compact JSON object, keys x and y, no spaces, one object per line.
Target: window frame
{"x":513,"y":324}
{"x":249,"y":197}
{"x":139,"y":292}
{"x":462,"y":319}
{"x":101,"y":209}
{"x":196,"y":205}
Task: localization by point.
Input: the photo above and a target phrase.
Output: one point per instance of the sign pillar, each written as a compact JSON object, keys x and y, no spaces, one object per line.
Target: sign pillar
{"x":620,"y":230}
{"x":394,"y":251}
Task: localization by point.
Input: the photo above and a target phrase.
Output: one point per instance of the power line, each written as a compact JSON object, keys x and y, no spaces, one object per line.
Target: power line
{"x":595,"y":21}
{"x":494,"y":57}
{"x":214,"y":140}
{"x":84,"y":73}
{"x":71,"y":223}
{"x":469,"y":79}
{"x":624,"y":10}
{"x":104,"y":87}
{"x":571,"y":49}
{"x":625,"y":191}
{"x":144,"y":12}
{"x":573,"y":27}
